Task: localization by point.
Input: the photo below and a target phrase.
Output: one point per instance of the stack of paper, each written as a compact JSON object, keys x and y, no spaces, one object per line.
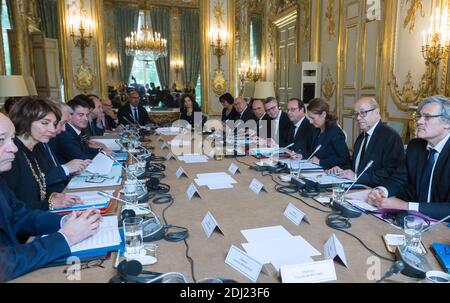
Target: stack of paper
{"x":215,"y":180}
{"x":87,"y":180}
{"x":101,"y":164}
{"x":169,"y":131}
{"x":277,"y":246}
{"x":107,"y":235}
{"x":193,"y":158}
{"x":324,"y":179}
{"x":89,"y":199}
{"x":304,"y":165}
{"x":109,"y":143}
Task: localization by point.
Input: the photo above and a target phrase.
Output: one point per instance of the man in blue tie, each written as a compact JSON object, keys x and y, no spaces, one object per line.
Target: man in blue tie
{"x":133,"y":112}
{"x":61,"y":233}
{"x":427,"y":167}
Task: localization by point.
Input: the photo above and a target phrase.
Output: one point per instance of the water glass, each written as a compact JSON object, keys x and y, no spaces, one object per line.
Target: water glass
{"x":295,"y":167}
{"x":130,"y":191}
{"x":413,"y":227}
{"x":338,"y":193}
{"x":134,"y":240}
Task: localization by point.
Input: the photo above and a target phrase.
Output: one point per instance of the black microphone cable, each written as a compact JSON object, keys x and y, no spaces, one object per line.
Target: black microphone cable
{"x":239,"y":161}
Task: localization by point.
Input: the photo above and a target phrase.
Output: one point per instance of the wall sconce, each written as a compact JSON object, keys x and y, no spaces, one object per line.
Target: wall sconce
{"x":112,"y":62}
{"x":177,"y":66}
{"x":219,"y":44}
{"x":81,"y":32}
{"x":435,"y":46}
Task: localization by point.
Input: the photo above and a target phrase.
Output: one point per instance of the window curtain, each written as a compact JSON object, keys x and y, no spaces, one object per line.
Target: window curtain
{"x":48,"y":12}
{"x":190,"y":46}
{"x":126,"y":20}
{"x":9,"y":5}
{"x":257,"y":35}
{"x":160,"y":20}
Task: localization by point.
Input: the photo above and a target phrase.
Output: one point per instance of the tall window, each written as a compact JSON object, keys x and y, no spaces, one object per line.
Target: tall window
{"x":144,"y":71}
{"x":252,"y":44}
{"x":5,"y":26}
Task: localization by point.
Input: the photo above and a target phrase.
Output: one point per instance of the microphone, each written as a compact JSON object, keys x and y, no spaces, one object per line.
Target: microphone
{"x":393,"y":270}
{"x":134,"y":124}
{"x":314,"y":152}
{"x":106,"y":195}
{"x":436,"y":224}
{"x":365,"y":168}
{"x":126,"y":150}
{"x":346,"y":208}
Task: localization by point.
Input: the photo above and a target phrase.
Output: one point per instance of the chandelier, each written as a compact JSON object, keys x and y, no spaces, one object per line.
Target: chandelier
{"x":146,"y":45}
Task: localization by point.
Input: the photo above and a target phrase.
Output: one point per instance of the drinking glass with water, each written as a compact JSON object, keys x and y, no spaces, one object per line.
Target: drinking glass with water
{"x":338,"y":193}
{"x":295,"y":167}
{"x":413,"y":227}
{"x":134,"y":240}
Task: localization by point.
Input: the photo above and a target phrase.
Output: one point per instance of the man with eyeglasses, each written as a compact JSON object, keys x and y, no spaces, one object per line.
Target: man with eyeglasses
{"x":302,"y":132}
{"x":376,"y":142}
{"x":427,"y":166}
{"x":262,"y":119}
{"x":281,"y":125}
{"x":133,"y":112}
{"x":60,"y":232}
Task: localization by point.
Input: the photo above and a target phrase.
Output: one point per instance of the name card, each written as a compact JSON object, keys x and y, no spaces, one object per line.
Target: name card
{"x":314,"y":272}
{"x":212,"y":153}
{"x":294,"y":214}
{"x":333,"y":248}
{"x":233,"y":169}
{"x":160,"y":139}
{"x":170,"y":157}
{"x":243,"y":263}
{"x":210,"y":224}
{"x":256,"y":186}
{"x":164,"y":145}
{"x":192,"y":191}
{"x":180,"y":172}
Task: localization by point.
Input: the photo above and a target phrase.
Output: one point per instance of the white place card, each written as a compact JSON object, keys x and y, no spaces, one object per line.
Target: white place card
{"x":212,"y":153}
{"x":294,"y":214}
{"x":233,"y":169}
{"x":192,"y":191}
{"x":314,"y":272}
{"x":170,"y":157}
{"x":210,"y":224}
{"x":243,"y":263}
{"x":333,"y":248}
{"x":256,"y":186}
{"x":164,"y":145}
{"x":180,"y":172}
{"x":160,"y":139}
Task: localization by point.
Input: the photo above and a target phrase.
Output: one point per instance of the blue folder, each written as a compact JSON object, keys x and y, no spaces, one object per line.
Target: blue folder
{"x":442,"y":252}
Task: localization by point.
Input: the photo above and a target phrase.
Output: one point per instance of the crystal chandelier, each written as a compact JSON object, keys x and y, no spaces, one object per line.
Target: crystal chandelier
{"x":146,"y":45}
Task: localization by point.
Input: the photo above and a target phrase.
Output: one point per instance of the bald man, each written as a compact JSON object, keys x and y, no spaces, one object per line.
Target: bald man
{"x":377,"y":142}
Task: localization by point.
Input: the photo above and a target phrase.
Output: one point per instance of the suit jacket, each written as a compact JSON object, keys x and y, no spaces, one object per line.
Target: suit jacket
{"x":264,"y":125}
{"x":385,"y":149}
{"x":190,"y":119}
{"x":17,"y":259}
{"x":55,"y":176}
{"x":334,"y":151}
{"x":110,"y":123}
{"x":231,"y":115}
{"x":303,"y":139}
{"x":416,"y":159}
{"x":125,"y":114}
{"x":246,"y":115}
{"x":68,"y":146}
{"x":94,"y":130}
{"x":21,"y":181}
{"x":281,"y":136}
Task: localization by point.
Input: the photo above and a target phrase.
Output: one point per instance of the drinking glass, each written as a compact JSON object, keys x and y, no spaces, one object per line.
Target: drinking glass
{"x":295,"y":167}
{"x":338,"y":193}
{"x":413,"y":226}
{"x":134,"y":240}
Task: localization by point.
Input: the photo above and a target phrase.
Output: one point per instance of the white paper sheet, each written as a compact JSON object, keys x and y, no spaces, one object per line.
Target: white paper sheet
{"x":324,"y":179}
{"x":193,"y":158}
{"x":101,"y":164}
{"x":110,"y":143}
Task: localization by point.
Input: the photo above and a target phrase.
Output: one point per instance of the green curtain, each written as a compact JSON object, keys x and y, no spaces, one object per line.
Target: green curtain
{"x":190,"y":46}
{"x":257,"y":35}
{"x":160,"y":20}
{"x":126,"y":20}
{"x":9,"y":5}
{"x":48,"y":12}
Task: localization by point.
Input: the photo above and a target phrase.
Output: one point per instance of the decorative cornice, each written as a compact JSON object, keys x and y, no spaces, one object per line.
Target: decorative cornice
{"x":145,"y":4}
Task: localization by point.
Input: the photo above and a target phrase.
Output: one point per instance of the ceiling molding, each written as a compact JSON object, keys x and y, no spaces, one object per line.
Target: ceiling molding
{"x":150,"y":3}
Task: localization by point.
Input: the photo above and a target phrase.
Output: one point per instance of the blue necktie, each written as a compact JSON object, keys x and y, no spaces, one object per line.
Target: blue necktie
{"x":136,"y":118}
{"x":426,"y":177}
{"x":51,"y":154}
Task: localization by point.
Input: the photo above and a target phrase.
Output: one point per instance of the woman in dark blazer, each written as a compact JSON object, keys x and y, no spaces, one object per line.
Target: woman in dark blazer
{"x":188,"y":108}
{"x":228,"y":112}
{"x":35,"y":122}
{"x":329,"y":135}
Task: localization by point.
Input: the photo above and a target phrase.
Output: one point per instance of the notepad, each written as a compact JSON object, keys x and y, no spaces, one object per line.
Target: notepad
{"x":107,"y":236}
{"x":89,"y":199}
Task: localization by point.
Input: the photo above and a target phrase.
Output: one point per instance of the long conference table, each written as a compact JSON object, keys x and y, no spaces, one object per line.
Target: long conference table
{"x":240,"y":208}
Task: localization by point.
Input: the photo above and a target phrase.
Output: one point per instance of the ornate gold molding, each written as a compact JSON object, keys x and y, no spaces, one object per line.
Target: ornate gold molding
{"x":305,"y":8}
{"x":329,"y":15}
{"x":218,"y":82}
{"x":410,"y":19}
{"x":328,"y":86}
{"x":407,"y":96}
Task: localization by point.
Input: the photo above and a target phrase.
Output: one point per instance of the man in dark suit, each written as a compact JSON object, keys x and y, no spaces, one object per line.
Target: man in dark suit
{"x":281,"y":125}
{"x":111,"y":121}
{"x":427,"y":166}
{"x":133,"y":112}
{"x":56,"y":174}
{"x":301,"y":133}
{"x":70,"y":144}
{"x":95,"y":123}
{"x":244,"y":112}
{"x":377,"y":142}
{"x":263,"y":121}
{"x":61,"y":233}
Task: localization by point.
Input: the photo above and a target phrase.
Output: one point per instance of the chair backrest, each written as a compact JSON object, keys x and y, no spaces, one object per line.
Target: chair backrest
{"x":398,"y":126}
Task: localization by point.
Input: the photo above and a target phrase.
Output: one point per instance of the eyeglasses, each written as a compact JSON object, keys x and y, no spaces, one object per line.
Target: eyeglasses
{"x":292,"y":109}
{"x":90,"y":264}
{"x":426,"y":117}
{"x":95,"y":178}
{"x":362,"y":113}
